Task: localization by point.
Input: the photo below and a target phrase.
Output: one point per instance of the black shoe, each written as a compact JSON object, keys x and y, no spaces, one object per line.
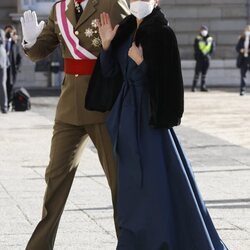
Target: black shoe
{"x":4,"y":111}
{"x":242,"y":92}
{"x":204,"y":89}
{"x":193,"y":89}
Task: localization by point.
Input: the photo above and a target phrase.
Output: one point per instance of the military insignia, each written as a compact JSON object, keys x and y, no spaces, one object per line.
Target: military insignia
{"x":78,"y":7}
{"x":96,"y":42}
{"x":89,"y":32}
{"x":92,"y":32}
{"x":94,"y":23}
{"x":94,"y":1}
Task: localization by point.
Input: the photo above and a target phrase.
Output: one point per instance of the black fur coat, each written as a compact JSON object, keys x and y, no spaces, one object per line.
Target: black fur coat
{"x":161,"y":55}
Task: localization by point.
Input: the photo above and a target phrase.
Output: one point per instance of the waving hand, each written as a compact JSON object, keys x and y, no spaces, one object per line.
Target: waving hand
{"x":107,"y":33}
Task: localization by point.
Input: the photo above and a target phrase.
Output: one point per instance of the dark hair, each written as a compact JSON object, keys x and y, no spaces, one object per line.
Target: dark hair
{"x":204,"y":27}
{"x":9,"y":26}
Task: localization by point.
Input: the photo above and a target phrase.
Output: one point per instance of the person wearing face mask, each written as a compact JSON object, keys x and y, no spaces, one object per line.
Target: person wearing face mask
{"x":3,"y":72}
{"x":243,"y":60}
{"x":14,"y":59}
{"x":203,"y":48}
{"x":138,"y":78}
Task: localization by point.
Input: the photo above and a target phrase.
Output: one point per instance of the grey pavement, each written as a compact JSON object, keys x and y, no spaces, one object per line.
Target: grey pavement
{"x":215,"y":134}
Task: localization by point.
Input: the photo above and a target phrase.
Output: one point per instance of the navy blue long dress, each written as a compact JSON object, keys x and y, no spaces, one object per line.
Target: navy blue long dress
{"x":159,"y":205}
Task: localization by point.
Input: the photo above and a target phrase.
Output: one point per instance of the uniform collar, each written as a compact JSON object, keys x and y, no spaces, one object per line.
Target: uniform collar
{"x":88,"y":11}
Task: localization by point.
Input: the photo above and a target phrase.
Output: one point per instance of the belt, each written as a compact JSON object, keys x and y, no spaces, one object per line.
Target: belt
{"x":79,"y":67}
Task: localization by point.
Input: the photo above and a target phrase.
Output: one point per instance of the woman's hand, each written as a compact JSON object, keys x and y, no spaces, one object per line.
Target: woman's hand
{"x":136,"y":53}
{"x":244,"y":50}
{"x":106,"y":32}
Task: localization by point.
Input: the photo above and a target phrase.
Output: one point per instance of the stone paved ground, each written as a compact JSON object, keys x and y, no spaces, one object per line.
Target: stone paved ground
{"x":215,"y":135}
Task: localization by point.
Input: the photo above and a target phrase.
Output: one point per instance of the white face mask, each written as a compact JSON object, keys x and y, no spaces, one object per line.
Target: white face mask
{"x":204,"y":33}
{"x":141,"y":9}
{"x":247,"y":33}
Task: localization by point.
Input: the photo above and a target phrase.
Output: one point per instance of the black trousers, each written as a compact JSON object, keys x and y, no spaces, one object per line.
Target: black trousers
{"x":201,"y":67}
{"x":11,"y":79}
{"x":245,"y":66}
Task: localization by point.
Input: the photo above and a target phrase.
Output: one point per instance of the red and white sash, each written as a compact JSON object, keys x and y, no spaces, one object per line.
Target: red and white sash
{"x":67,"y":30}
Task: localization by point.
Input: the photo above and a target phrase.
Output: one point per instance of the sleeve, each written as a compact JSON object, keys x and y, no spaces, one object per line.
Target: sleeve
{"x":27,"y":45}
{"x":165,"y":80}
{"x":197,"y":51}
{"x":140,"y":71}
{"x":46,"y":42}
{"x":142,"y":67}
{"x":213,"y":47}
{"x":105,"y":82}
{"x":108,"y":62}
{"x":18,"y":58}
{"x":118,"y":11}
{"x":196,"y":45}
{"x":238,"y":45}
{"x":102,"y":90}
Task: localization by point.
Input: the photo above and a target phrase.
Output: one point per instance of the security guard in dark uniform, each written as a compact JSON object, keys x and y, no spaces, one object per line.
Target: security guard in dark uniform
{"x":203,"y":48}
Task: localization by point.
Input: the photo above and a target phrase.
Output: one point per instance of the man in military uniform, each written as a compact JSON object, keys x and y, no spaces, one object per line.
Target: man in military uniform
{"x":73,"y":25}
{"x":203,"y":48}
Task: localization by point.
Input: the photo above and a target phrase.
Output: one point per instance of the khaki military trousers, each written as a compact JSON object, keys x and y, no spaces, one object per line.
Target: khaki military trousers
{"x":68,"y":142}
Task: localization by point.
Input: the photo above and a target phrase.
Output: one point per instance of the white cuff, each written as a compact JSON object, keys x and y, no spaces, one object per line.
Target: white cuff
{"x":28,"y":45}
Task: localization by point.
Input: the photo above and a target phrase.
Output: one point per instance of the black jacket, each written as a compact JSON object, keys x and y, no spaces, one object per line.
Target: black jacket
{"x":161,"y":55}
{"x":241,"y":44}
{"x":241,"y":59}
{"x":15,"y":60}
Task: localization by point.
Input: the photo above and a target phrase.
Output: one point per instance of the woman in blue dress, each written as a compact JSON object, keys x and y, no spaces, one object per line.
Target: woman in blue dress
{"x":138,"y":76}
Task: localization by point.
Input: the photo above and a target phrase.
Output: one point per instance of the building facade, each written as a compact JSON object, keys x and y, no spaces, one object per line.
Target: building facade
{"x":32,"y":74}
{"x":226,"y":20}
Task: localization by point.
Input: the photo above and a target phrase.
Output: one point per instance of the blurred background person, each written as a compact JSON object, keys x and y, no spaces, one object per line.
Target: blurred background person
{"x":243,"y":60}
{"x":3,"y":68}
{"x":14,"y":58}
{"x":203,"y":48}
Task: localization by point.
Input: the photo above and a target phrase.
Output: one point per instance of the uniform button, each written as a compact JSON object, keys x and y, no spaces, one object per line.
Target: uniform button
{"x":76,"y":75}
{"x":60,"y":33}
{"x":77,"y":32}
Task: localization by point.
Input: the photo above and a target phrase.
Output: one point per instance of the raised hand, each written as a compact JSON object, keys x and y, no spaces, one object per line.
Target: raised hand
{"x":106,"y":32}
{"x":30,"y":27}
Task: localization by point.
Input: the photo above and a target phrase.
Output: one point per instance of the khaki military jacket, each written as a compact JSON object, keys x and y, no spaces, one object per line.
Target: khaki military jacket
{"x":70,"y":108}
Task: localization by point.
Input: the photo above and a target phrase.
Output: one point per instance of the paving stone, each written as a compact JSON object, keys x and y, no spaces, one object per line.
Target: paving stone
{"x":215,"y":140}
